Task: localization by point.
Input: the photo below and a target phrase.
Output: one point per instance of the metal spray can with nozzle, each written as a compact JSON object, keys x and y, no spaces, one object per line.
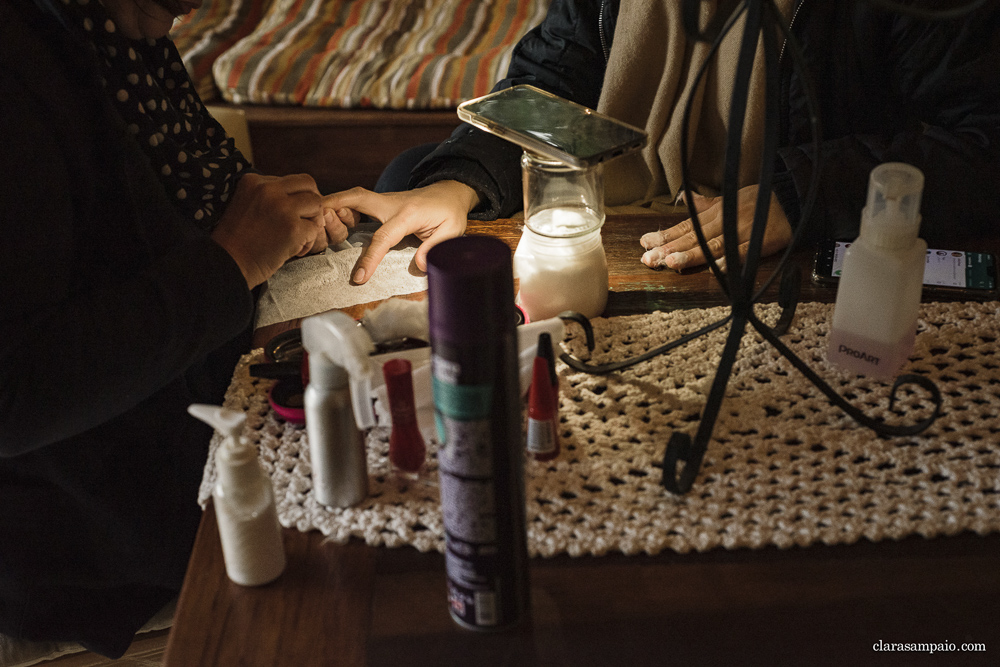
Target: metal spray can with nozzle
{"x":474,"y":365}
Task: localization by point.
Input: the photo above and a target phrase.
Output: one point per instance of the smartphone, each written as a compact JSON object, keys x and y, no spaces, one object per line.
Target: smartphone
{"x":954,"y":271}
{"x":552,"y":126}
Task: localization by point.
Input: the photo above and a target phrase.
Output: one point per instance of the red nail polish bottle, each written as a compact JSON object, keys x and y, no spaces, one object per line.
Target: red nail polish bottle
{"x":545,"y":351}
{"x":543,"y":420}
{"x":406,"y":445}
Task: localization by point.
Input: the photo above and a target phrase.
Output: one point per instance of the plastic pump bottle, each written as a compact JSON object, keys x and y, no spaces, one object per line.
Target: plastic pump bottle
{"x":878,"y":299}
{"x":244,"y":503}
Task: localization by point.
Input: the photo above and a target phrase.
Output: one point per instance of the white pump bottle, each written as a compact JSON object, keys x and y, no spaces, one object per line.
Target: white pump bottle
{"x":878,"y":299}
{"x":251,"y":537}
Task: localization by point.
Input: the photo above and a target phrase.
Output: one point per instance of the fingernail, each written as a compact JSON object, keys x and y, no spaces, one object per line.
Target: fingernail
{"x":328,"y":216}
{"x":343,"y":213}
{"x":651,"y":240}
{"x":359,"y":275}
{"x":677,"y":260}
{"x":654,"y":259}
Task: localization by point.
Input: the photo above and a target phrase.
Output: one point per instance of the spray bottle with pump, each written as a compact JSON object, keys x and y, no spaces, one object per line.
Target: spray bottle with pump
{"x":339,"y":380}
{"x":244,"y":503}
{"x":878,"y":299}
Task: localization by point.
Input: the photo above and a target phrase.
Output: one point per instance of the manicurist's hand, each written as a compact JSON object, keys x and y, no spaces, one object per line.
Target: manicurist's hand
{"x":335,"y":232}
{"x":433,"y":213}
{"x":677,"y":247}
{"x":271,"y":219}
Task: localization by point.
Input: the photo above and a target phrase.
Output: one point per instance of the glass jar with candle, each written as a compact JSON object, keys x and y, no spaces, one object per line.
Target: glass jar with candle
{"x":560,"y":260}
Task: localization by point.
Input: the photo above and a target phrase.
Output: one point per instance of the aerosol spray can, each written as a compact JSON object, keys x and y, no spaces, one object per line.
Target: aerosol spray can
{"x":478,"y":413}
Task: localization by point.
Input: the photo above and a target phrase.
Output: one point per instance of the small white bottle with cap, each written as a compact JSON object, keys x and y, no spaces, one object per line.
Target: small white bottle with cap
{"x":251,"y":537}
{"x":875,"y":316}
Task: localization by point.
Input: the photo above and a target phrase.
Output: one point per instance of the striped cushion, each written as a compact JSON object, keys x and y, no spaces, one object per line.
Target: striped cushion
{"x":390,"y":54}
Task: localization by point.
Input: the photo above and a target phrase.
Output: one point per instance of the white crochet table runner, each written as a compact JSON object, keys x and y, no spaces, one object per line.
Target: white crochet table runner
{"x":784,"y":467}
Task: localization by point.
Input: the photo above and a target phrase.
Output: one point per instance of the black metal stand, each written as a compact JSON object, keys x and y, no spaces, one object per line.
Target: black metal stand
{"x":683,"y":455}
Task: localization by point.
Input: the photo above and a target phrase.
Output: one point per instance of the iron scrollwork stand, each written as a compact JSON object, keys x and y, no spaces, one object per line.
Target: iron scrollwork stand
{"x":683,"y":455}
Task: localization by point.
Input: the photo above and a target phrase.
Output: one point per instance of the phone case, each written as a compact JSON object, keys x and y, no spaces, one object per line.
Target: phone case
{"x":823,"y":268}
{"x":823,"y":264}
{"x":552,"y":126}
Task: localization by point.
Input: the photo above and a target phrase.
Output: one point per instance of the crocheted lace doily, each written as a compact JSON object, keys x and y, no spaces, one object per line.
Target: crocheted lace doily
{"x":784,"y":467}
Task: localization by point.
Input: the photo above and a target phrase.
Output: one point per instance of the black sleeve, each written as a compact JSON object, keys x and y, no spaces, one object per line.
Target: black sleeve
{"x":87,"y":331}
{"x":943,"y":78}
{"x":563,"y":55}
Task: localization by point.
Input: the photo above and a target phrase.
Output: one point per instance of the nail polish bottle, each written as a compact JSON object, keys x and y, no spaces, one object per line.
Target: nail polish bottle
{"x":545,"y":350}
{"x":543,"y":404}
{"x":407,"y":450}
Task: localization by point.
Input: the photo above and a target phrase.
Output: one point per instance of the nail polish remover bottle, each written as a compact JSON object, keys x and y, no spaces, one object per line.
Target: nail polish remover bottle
{"x":243,"y":497}
{"x":878,"y":299}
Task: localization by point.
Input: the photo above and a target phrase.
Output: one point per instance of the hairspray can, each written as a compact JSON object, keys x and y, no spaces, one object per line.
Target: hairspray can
{"x":478,"y":413}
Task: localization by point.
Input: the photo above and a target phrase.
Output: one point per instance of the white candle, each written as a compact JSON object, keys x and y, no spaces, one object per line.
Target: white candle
{"x":561,"y":264}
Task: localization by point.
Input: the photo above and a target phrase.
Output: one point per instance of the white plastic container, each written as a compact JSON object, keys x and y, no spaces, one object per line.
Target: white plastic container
{"x":560,"y":260}
{"x":878,"y":299}
{"x":252,"y":543}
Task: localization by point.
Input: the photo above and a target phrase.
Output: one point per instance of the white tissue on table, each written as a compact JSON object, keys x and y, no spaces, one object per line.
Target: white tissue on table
{"x":322,"y":282}
{"x":397,"y":318}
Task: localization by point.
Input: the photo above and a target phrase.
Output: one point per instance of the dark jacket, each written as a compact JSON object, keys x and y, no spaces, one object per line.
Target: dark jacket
{"x":115,"y":315}
{"x":890,"y":88}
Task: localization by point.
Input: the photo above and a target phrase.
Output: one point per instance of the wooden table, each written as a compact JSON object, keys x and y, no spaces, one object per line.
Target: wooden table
{"x":358,"y":605}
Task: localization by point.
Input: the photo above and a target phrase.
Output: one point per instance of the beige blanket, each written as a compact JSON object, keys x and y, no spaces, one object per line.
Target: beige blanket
{"x":649,"y":78}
